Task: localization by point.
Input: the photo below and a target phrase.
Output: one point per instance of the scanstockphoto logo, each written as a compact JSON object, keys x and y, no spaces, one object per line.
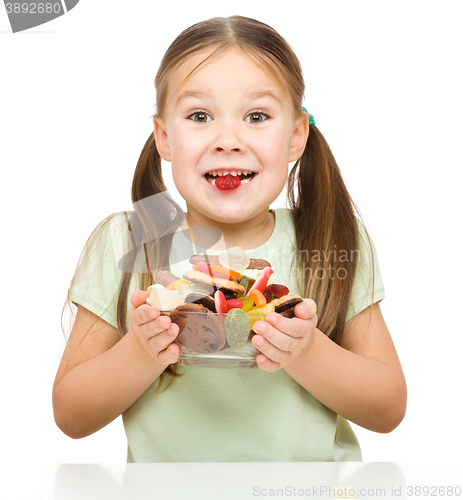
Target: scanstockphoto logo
{"x":28,"y":14}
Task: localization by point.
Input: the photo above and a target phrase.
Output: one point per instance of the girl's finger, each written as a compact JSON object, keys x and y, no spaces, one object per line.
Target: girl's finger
{"x":154,"y":326}
{"x":162,"y":326}
{"x":306,"y":309}
{"x":266,"y":364}
{"x":294,"y":327}
{"x":279,"y":338}
{"x":169,"y":355}
{"x":138,"y":298}
{"x":270,"y":351}
{"x":144,"y":314}
{"x":162,"y":342}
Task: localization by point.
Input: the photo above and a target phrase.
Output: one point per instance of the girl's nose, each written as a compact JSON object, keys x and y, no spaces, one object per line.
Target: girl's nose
{"x":228,"y":140}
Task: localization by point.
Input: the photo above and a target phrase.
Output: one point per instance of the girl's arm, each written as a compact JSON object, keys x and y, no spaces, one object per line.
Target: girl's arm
{"x":90,"y":393}
{"x":362,"y":379}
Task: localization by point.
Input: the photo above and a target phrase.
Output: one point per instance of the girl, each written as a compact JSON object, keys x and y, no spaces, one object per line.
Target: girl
{"x":229,"y":101}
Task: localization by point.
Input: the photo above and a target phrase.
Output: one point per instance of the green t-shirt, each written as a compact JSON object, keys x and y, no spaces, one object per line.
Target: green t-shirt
{"x":227,"y":415}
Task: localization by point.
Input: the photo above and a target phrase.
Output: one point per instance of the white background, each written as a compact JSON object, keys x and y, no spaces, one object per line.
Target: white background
{"x":383,"y":80}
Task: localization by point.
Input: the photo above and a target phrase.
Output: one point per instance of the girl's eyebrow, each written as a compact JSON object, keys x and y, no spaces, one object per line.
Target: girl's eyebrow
{"x":249,"y":95}
{"x":192,"y":93}
{"x":262,"y":94}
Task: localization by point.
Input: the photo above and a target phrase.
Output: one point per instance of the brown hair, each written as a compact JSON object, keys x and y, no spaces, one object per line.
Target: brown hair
{"x":322,"y":208}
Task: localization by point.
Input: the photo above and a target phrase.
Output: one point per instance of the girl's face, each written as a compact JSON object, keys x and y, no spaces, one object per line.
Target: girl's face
{"x":229,"y":117}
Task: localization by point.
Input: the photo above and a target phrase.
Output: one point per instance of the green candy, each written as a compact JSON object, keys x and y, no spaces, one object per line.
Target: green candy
{"x":237,"y":328}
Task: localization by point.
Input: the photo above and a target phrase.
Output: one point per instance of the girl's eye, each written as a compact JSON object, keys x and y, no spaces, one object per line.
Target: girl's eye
{"x":200,"y":116}
{"x":256,"y":117}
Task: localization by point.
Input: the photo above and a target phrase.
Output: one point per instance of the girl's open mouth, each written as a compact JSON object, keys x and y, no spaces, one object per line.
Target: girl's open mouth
{"x":226,"y":181}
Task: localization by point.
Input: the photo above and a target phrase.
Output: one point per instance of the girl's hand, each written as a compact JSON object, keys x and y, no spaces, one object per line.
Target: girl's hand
{"x":154,"y":332}
{"x":280,"y":340}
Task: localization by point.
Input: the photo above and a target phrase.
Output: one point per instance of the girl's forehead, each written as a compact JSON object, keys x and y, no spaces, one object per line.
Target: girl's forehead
{"x":206,"y":67}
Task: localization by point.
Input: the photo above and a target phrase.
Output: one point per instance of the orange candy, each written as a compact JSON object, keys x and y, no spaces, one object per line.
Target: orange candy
{"x":258,"y":297}
{"x":224,"y":270}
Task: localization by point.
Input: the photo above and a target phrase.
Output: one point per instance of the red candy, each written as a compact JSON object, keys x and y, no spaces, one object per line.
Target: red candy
{"x":278,"y":290}
{"x":220,"y":302}
{"x":228,"y":181}
{"x":268,"y":294}
{"x":261,"y":281}
{"x":234,"y":304}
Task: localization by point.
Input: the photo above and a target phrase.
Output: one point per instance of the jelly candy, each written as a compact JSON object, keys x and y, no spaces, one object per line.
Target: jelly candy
{"x":268,"y":294}
{"x":237,"y":328}
{"x":258,"y":297}
{"x":224,"y":270}
{"x":259,"y":313}
{"x":262,"y":280}
{"x":228,"y":181}
{"x":220,"y":302}
{"x":202,"y":267}
{"x":234,"y":258}
{"x":278,"y":290}
{"x":234,"y":303}
{"x":247,"y":303}
{"x":175,"y":284}
{"x":246,"y":283}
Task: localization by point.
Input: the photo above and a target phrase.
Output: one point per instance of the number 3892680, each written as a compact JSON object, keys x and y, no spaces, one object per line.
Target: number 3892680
{"x":33,"y":8}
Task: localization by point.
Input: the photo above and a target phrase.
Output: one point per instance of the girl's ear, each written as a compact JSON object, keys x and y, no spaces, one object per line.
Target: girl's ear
{"x":300,"y":136}
{"x":161,"y":139}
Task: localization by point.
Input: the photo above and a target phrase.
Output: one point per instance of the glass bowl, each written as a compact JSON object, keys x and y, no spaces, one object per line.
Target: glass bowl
{"x":204,"y":338}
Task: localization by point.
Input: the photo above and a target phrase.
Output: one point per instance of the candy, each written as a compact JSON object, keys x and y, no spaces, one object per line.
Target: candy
{"x":237,"y":328}
{"x":224,"y":270}
{"x":258,"y":297}
{"x":261,"y":281}
{"x":268,"y":294}
{"x":234,"y":303}
{"x":259,"y":313}
{"x":220,"y":302}
{"x":163,"y":299}
{"x":278,"y":290}
{"x":184,"y":289}
{"x":247,"y":303}
{"x":228,"y":181}
{"x":234,"y":258}
{"x":246,"y":283}
{"x":180,"y":282}
{"x":204,"y":268}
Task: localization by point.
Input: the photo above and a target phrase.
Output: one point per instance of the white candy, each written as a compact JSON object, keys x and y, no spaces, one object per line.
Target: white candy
{"x":186,"y":288}
{"x":163,"y":299}
{"x":234,"y":258}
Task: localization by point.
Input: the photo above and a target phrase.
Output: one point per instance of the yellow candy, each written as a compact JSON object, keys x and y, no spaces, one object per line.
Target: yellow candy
{"x":247,"y":303}
{"x":259,"y":313}
{"x":174,"y":284}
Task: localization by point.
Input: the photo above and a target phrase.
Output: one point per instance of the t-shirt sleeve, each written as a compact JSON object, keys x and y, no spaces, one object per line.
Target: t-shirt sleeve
{"x":368,"y":286}
{"x":96,"y":284}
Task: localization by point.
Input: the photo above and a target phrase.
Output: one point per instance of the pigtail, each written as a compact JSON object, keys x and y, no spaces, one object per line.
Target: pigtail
{"x":326,"y":229}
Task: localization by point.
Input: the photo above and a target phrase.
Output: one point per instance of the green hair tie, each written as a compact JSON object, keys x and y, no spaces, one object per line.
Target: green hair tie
{"x":311,"y":118}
